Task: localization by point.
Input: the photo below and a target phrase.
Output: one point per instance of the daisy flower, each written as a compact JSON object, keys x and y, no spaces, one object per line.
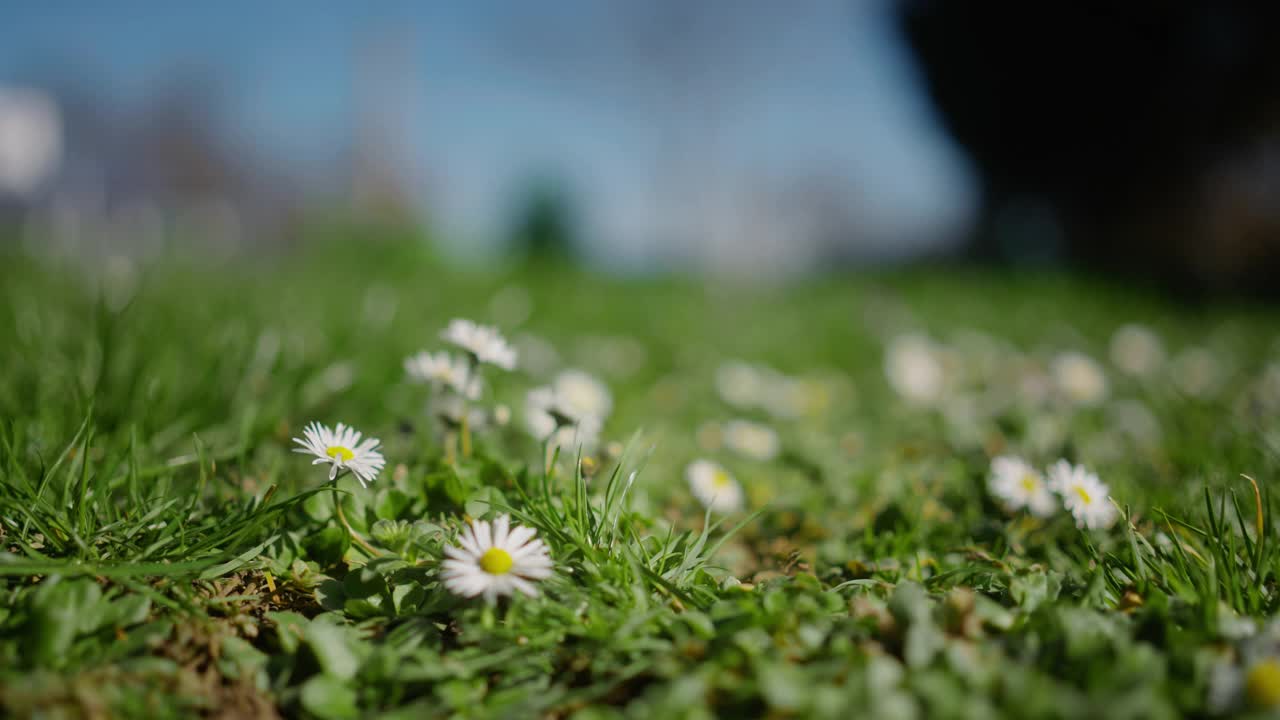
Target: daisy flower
{"x":1248,"y":678}
{"x":1018,"y":485}
{"x":579,"y":394}
{"x":714,"y":486}
{"x":1083,"y":494}
{"x":1196,"y":372}
{"x":555,"y":415}
{"x":1137,"y":350}
{"x":740,"y":384}
{"x":914,"y":368}
{"x":442,"y":369}
{"x":752,"y":440}
{"x":495,"y":559}
{"x":343,"y":449}
{"x":484,"y":343}
{"x":1079,"y":378}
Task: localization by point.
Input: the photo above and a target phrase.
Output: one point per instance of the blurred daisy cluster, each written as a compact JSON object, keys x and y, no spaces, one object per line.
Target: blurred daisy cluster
{"x":757,"y":401}
{"x":990,"y":394}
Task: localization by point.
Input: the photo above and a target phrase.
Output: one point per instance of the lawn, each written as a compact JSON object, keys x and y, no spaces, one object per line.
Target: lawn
{"x":165,"y":553}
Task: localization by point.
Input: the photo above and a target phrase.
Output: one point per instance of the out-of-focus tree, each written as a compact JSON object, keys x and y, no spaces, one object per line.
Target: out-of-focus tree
{"x":544,"y":228}
{"x":1143,"y":136}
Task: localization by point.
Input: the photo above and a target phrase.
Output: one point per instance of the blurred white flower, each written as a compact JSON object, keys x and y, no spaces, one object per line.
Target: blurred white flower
{"x":1017,"y":485}
{"x":579,"y":395}
{"x":495,"y":559}
{"x":714,"y":486}
{"x":562,"y":419}
{"x":585,"y":435}
{"x":1084,"y":495}
{"x":791,"y":397}
{"x":540,"y":413}
{"x":30,"y":140}
{"x":740,"y":384}
{"x":342,"y":449}
{"x":751,"y":439}
{"x":484,"y":343}
{"x":1196,"y":372}
{"x":1137,"y":350}
{"x":441,"y":369}
{"x":1251,"y":679}
{"x":1034,"y":386}
{"x":502,"y":415}
{"x":453,"y":408}
{"x":913,"y":365}
{"x":1079,"y":378}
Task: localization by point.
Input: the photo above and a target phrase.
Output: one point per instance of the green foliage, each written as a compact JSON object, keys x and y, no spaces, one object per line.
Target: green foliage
{"x":162,"y":551}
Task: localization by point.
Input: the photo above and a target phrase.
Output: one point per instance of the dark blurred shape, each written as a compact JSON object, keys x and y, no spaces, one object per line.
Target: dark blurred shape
{"x":544,"y":227}
{"x":1145,"y":137}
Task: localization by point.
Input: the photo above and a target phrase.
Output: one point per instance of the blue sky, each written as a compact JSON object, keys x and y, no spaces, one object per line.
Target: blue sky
{"x":499,"y":94}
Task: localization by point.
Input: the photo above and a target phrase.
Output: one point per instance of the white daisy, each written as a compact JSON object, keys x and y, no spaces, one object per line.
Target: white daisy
{"x":752,"y":440}
{"x":496,"y":559}
{"x":1248,"y":678}
{"x":1018,"y":485}
{"x":561,"y":421}
{"x":343,"y":449}
{"x":914,"y":368}
{"x":483,"y":342}
{"x":1079,"y":378}
{"x":1137,"y":350}
{"x":714,"y":486}
{"x":1196,"y":372}
{"x":444,"y":370}
{"x":740,"y":384}
{"x":1086,"y":496}
{"x":579,"y":394}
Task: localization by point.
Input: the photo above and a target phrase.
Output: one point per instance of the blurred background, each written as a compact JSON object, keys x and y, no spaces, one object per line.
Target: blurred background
{"x":763,"y":139}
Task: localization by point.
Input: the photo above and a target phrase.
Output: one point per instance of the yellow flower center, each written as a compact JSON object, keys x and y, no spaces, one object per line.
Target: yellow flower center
{"x":337,"y":452}
{"x":496,"y":561}
{"x":720,"y":480}
{"x":1262,"y":684}
{"x":1084,"y":494}
{"x":1029,"y":483}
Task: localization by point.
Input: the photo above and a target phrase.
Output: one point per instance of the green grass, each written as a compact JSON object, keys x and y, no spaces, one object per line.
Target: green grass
{"x":163,"y":553}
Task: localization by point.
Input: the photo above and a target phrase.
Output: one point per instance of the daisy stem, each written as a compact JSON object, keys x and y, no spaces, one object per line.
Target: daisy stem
{"x":342,"y":518}
{"x":450,"y":449}
{"x":465,"y":433}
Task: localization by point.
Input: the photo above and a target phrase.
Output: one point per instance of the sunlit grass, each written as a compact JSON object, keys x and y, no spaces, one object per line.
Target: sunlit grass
{"x":162,"y":547}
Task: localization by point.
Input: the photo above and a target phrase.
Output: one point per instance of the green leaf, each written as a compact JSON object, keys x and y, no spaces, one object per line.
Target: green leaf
{"x":329,"y":698}
{"x":290,"y":629}
{"x":327,"y":546}
{"x":333,"y":648}
{"x":237,"y":561}
{"x":784,"y":686}
{"x":60,"y":611}
{"x":391,"y":504}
